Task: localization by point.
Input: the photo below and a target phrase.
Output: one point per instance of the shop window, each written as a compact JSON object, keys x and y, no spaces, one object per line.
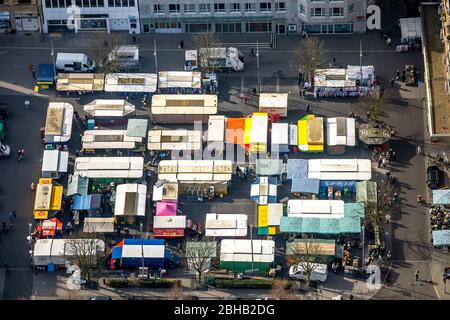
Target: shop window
{"x":258,"y":26}
{"x":312,"y":28}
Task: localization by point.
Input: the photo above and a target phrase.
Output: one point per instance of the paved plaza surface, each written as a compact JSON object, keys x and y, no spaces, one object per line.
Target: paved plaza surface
{"x":408,"y":236}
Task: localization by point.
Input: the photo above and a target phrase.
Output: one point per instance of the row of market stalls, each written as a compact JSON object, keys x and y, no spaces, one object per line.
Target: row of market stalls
{"x":165,"y":82}
{"x":355,"y":81}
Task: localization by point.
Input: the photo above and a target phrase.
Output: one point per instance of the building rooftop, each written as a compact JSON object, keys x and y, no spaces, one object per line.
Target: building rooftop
{"x":437,"y":97}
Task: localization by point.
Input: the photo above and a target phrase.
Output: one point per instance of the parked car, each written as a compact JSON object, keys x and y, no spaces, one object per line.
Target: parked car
{"x":319,"y":274}
{"x":100,"y":298}
{"x":433,"y":177}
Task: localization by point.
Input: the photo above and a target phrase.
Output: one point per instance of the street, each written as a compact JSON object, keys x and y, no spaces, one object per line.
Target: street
{"x":408,"y":235}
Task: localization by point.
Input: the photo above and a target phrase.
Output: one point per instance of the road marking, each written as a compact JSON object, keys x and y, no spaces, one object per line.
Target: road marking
{"x":242,"y":87}
{"x":277,"y":88}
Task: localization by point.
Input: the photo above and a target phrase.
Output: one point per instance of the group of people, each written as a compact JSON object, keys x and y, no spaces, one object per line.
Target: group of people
{"x":439,"y":218}
{"x":383,"y":158}
{"x":20,"y":154}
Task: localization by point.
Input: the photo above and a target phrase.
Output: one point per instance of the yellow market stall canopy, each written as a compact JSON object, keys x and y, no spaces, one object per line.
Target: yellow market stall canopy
{"x":48,"y":198}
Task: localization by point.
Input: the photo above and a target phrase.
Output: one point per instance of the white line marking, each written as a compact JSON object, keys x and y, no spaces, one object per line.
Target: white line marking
{"x":242,"y":87}
{"x":277,"y":85}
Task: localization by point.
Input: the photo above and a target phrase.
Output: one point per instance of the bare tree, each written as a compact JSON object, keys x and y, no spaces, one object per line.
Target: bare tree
{"x":100,"y":49}
{"x":311,"y":54}
{"x":373,"y":105}
{"x":85,"y":250}
{"x":199,"y":255}
{"x":307,"y":255}
{"x":207,"y":46}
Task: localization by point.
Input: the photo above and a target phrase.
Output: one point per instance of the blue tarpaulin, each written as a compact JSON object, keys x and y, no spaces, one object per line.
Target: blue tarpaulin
{"x":46,"y":74}
{"x":301,"y":185}
{"x":441,"y":197}
{"x":87,"y":202}
{"x":441,"y":238}
{"x":297,"y":168}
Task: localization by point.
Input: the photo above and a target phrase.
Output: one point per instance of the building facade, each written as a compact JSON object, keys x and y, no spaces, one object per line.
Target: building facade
{"x":234,"y":16}
{"x":90,"y":15}
{"x":19,"y":15}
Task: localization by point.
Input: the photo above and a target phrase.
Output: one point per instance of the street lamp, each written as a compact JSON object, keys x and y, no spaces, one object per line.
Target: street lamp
{"x":155,"y":55}
{"x":257,"y":66}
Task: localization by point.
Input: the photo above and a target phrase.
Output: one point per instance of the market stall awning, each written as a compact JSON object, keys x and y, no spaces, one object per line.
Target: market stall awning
{"x":87,"y":202}
{"x":441,"y":238}
{"x":370,"y":134}
{"x":264,"y":191}
{"x":324,"y":247}
{"x":297,"y":168}
{"x":310,"y":186}
{"x":166,"y":208}
{"x":98,"y":225}
{"x":77,"y":185}
{"x":137,"y":128}
{"x":441,"y":197}
{"x":269,"y":167}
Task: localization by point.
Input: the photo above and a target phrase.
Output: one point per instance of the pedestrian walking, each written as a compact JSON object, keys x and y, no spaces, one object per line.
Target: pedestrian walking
{"x":444,"y":278}
{"x":308,"y":108}
{"x":245,"y":99}
{"x":30,"y":67}
{"x":351,"y":297}
{"x":380,"y":161}
{"x":245,"y":174}
{"x":133,"y":37}
{"x":383,"y":162}
{"x":69,"y":228}
{"x":419,"y":198}
{"x":392,"y":82}
{"x":6,"y":266}
{"x":388,"y":173}
{"x":252,"y":52}
{"x":238,"y":170}
{"x":393,"y":180}
{"x":388,"y":256}
{"x":33,"y":72}
{"x":389,"y":41}
{"x":393,"y":156}
{"x":417,"y":275}
{"x":368,"y":115}
{"x":395,"y":196}
{"x":397,"y":75}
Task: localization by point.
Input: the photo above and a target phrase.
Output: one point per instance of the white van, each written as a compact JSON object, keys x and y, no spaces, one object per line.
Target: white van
{"x":320,"y":273}
{"x":74,"y":62}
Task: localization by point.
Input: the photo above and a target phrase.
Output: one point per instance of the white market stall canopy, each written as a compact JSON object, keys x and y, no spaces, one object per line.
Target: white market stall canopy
{"x":57,"y":251}
{"x":54,"y":162}
{"x":339,"y":169}
{"x":80,"y":82}
{"x":179,"y":139}
{"x":341,"y":131}
{"x":165,"y":191}
{"x":226,"y":225}
{"x":316,"y":208}
{"x":411,"y":27}
{"x":280,"y":137}
{"x":98,"y":225}
{"x":109,"y":167}
{"x":195,"y":170}
{"x":216,"y":129}
{"x":274,"y":103}
{"x":241,"y":250}
{"x":130,"y":200}
{"x":108,"y":108}
{"x":169,"y":222}
{"x":179,"y":79}
{"x":58,"y":123}
{"x":131,"y":82}
{"x":354,"y":73}
{"x":109,"y":139}
{"x":332,"y":78}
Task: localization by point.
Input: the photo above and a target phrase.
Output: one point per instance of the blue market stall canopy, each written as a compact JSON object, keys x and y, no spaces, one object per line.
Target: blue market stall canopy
{"x":441,"y":238}
{"x":46,"y":74}
{"x":269,"y":167}
{"x":441,"y":197}
{"x":297,"y":168}
{"x":87,"y":202}
{"x":309,"y":186}
{"x":137,"y":128}
{"x":150,"y":252}
{"x":77,"y":185}
{"x":264,"y":191}
{"x":326,"y":225}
